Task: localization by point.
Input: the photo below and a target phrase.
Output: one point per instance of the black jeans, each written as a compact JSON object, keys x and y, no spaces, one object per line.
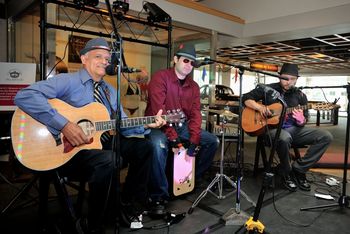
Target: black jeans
{"x":137,"y":152}
{"x":94,"y":167}
{"x":97,"y":166}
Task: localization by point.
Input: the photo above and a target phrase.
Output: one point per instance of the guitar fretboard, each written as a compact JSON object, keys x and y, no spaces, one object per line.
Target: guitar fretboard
{"x":138,"y":121}
{"x":303,"y":107}
{"x":126,"y":123}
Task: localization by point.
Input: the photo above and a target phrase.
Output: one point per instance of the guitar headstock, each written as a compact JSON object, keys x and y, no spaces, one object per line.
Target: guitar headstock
{"x":176,"y":117}
{"x":323,"y":106}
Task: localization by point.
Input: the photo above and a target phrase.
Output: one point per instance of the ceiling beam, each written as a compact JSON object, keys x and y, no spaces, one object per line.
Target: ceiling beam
{"x":285,"y":53}
{"x":322,"y":63}
{"x":200,"y":7}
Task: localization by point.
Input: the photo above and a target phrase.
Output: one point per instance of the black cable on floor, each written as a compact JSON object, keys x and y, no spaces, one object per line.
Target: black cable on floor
{"x":293,"y":221}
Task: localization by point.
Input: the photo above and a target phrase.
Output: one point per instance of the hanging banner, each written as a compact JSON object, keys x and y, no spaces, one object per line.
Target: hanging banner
{"x":13,"y":77}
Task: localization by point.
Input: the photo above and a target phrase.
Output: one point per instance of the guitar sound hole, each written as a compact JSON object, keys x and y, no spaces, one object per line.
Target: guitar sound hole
{"x":87,"y":126}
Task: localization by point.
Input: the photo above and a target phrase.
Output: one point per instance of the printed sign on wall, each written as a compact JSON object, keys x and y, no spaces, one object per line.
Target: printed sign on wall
{"x":13,"y":77}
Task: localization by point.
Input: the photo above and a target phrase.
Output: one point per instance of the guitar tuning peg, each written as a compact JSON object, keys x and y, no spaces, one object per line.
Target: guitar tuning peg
{"x":178,"y":110}
{"x":174,"y":111}
{"x":168,"y":111}
{"x":170,"y":124}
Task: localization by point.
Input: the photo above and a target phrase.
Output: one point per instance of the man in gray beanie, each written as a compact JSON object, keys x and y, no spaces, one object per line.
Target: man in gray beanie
{"x":92,"y":165}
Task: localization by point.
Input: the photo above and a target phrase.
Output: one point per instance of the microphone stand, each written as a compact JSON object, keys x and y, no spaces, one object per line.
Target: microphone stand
{"x":116,"y":138}
{"x":253,"y":224}
{"x":236,"y":216}
{"x":343,"y":200}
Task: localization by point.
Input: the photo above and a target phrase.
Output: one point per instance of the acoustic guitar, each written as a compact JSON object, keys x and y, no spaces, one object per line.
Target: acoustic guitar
{"x":37,"y":149}
{"x":254,"y":124}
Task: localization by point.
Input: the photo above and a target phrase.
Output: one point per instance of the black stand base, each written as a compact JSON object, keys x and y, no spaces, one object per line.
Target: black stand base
{"x":343,"y":201}
{"x":20,"y":193}
{"x":253,"y":225}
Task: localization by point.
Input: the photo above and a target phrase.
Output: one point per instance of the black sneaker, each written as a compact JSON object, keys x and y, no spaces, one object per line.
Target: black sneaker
{"x":289,"y":183}
{"x":302,"y":181}
{"x":157,"y":208}
{"x":130,"y":217}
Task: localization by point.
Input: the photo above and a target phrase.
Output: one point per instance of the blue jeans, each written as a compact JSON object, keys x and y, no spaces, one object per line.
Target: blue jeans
{"x":158,"y":181}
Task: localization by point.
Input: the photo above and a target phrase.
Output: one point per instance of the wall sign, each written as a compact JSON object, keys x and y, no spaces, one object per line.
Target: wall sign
{"x":13,"y":77}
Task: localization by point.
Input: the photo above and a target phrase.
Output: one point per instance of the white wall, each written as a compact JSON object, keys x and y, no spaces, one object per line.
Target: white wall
{"x":260,"y":10}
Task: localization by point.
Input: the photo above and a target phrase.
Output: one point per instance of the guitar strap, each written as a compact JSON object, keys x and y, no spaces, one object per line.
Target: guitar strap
{"x":107,"y":94}
{"x":105,"y":137}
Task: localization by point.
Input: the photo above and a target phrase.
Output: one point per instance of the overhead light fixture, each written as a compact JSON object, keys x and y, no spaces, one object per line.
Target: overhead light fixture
{"x":81,"y":3}
{"x":317,"y":56}
{"x":155,"y":13}
{"x":264,"y":66}
{"x":121,"y":6}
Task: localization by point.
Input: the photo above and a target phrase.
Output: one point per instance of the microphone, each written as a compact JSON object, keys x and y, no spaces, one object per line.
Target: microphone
{"x":111,"y":69}
{"x":305,"y":87}
{"x":275,"y":94}
{"x":206,"y":61}
{"x":130,"y":70}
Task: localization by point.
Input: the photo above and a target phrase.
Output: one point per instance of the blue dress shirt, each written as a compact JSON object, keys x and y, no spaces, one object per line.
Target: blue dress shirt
{"x":77,"y":90}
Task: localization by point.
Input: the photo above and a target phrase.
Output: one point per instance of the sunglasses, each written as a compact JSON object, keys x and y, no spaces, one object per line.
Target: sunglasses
{"x":187,"y":61}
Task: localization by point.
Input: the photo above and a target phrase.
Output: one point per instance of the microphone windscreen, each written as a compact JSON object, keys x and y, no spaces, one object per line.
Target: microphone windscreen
{"x":195,"y":64}
{"x":111,"y":70}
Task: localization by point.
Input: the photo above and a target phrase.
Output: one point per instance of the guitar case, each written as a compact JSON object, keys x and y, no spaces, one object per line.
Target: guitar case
{"x":180,"y":173}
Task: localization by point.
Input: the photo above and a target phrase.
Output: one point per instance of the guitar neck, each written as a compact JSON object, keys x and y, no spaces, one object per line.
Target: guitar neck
{"x":303,"y":107}
{"x":126,"y":123}
{"x":138,"y":121}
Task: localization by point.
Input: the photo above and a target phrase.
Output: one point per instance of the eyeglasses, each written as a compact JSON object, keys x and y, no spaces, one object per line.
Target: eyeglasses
{"x":187,"y":61}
